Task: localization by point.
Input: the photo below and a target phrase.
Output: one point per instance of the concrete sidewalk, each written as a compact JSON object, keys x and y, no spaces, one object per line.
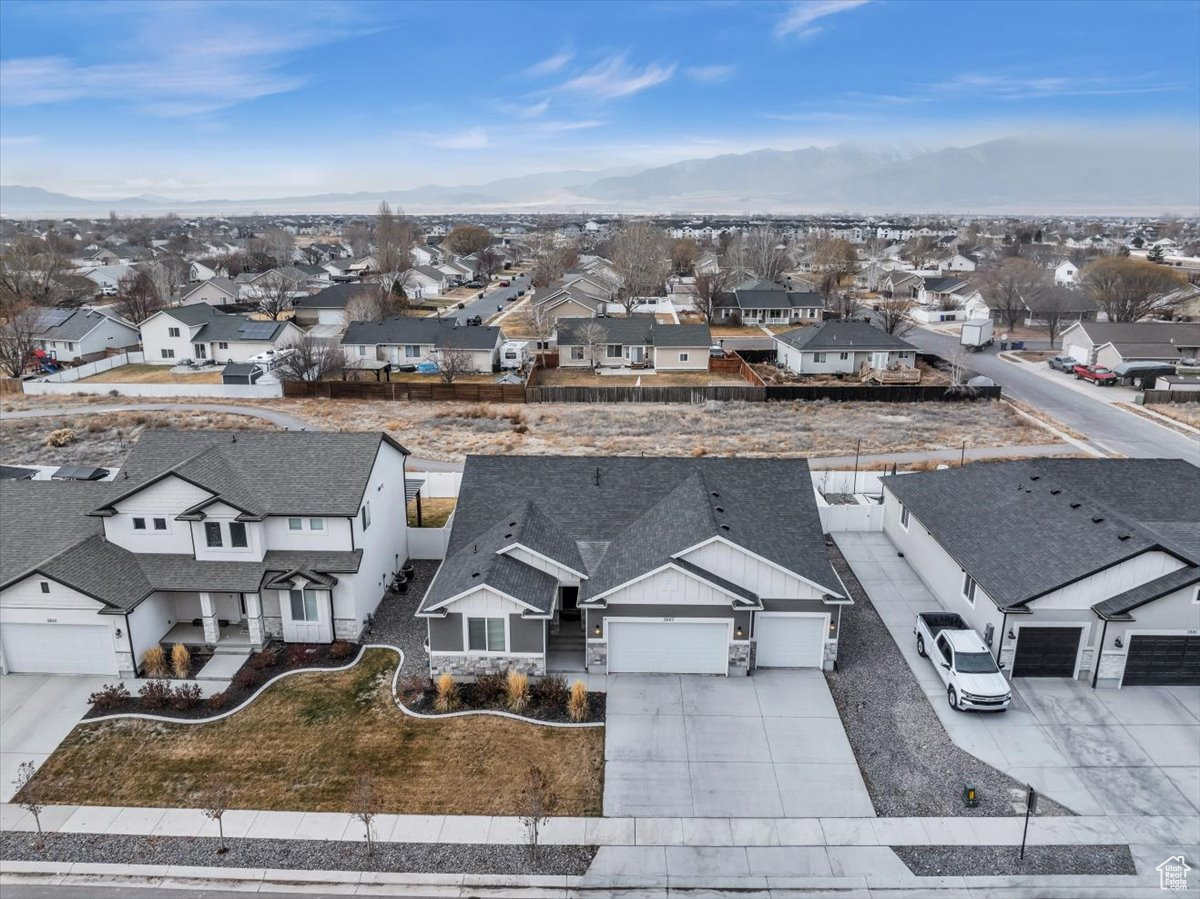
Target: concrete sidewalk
{"x":643,"y":832}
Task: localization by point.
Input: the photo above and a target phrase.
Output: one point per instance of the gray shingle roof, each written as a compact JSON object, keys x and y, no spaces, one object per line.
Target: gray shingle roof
{"x":1074,"y":517}
{"x":842,"y":335}
{"x":80,"y":323}
{"x":769,"y":295}
{"x":441,"y":333}
{"x":626,"y":516}
{"x":42,"y":518}
{"x":1169,"y":338}
{"x":220,"y":326}
{"x":335,"y":297}
{"x":636,"y":330}
{"x":1119,"y":606}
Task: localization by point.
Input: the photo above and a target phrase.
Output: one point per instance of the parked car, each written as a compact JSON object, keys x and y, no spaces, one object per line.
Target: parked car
{"x":505,"y":283}
{"x":1062,"y":363}
{"x":962,"y":661}
{"x":474,"y":284}
{"x":1097,"y":374}
{"x":474,"y":319}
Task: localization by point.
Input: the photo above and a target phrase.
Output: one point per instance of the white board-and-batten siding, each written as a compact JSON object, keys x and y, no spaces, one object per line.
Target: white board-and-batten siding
{"x":1112,"y":581}
{"x":551,"y":568}
{"x":739,"y":567}
{"x":669,"y":587}
{"x":27,"y":594}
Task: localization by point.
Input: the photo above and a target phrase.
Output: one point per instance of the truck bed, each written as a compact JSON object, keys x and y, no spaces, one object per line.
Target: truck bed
{"x":942,"y":621}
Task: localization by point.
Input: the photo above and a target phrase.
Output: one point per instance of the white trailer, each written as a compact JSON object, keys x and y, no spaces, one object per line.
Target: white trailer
{"x":976,"y":334}
{"x":514,"y":354}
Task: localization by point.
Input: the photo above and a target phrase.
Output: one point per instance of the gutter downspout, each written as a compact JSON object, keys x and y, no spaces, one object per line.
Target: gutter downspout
{"x":1003,"y":631}
{"x":1099,"y":652}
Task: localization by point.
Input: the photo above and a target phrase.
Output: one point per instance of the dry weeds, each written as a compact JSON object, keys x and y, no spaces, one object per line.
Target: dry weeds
{"x":1188,"y":413}
{"x":303,"y":743}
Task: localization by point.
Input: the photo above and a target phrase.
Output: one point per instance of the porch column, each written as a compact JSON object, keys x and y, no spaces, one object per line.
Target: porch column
{"x":208,"y":614}
{"x":254,"y":618}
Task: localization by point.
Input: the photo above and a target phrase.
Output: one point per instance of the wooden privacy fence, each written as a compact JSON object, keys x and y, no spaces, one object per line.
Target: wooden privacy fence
{"x":644,"y":394}
{"x":407,"y":390}
{"x":894,"y":393}
{"x":1151,"y":397}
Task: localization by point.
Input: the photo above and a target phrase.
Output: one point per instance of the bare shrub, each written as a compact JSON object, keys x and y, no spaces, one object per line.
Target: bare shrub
{"x":154,"y":662}
{"x":61,"y":437}
{"x":517,"y":691}
{"x":446,"y":699}
{"x":577,"y":705}
{"x":181,"y":661}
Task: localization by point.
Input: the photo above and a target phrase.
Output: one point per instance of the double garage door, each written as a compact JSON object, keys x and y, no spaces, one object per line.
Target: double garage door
{"x":58,"y":649}
{"x":1165,"y":660}
{"x":669,"y":647}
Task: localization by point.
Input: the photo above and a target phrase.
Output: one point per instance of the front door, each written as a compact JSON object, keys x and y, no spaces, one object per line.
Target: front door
{"x":637,"y":355}
{"x":569,"y":604}
{"x":201,"y":350}
{"x":307,"y":616}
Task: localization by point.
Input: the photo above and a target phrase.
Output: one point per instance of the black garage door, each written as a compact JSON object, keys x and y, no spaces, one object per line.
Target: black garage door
{"x":1046,"y":651}
{"x":1164,"y":660}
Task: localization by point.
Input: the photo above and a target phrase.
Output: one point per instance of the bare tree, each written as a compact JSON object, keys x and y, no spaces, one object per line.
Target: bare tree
{"x":487,"y":263}
{"x":30,"y":271}
{"x":393,"y":239}
{"x":29,"y":792}
{"x":640,"y":256}
{"x":19,"y":337}
{"x":1127,"y":289}
{"x":765,"y":253}
{"x":845,"y":304}
{"x":375,"y":302}
{"x":311,"y":360}
{"x":893,"y":315}
{"x":277,"y":243}
{"x":552,"y":265}
{"x":364,"y":806}
{"x":357,"y":236}
{"x":594,"y":337}
{"x":919,"y":250}
{"x":683,"y":255}
{"x":1053,"y":310}
{"x":214,"y":802}
{"x":274,"y":292}
{"x":708,"y":289}
{"x":835,"y":260}
{"x":467,"y":239}
{"x":138,"y":297}
{"x":1012,"y":289}
{"x":538,"y":803}
{"x":537,"y":321}
{"x":453,"y":362}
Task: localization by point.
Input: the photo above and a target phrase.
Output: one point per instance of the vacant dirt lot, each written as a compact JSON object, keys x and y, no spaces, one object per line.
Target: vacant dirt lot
{"x":451,"y":430}
{"x":102,"y":440}
{"x":153,"y":374}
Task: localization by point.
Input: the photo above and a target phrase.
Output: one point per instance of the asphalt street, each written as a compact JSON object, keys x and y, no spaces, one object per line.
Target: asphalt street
{"x":486,"y":306}
{"x":1110,"y":429}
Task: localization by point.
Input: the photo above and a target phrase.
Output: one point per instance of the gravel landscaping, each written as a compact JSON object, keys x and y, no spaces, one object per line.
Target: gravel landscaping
{"x":299,"y":855}
{"x":909,"y":763}
{"x":1004,"y":861}
{"x":394,"y":622}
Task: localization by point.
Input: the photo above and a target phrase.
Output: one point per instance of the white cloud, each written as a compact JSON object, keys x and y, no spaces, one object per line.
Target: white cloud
{"x":20,"y":140}
{"x":614,"y":77}
{"x":550,"y":64}
{"x":710,"y":74}
{"x":560,"y":127}
{"x":471,"y":139}
{"x":799,"y":19}
{"x":533,"y":110}
{"x":1008,"y":87}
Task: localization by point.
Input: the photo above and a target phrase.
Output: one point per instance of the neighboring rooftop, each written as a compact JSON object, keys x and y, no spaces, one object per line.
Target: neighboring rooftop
{"x":441,"y":333}
{"x":839,"y":335}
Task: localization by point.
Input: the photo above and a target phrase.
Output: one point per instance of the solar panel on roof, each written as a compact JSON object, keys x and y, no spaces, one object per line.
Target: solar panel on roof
{"x":52,"y":318}
{"x":257,"y":330}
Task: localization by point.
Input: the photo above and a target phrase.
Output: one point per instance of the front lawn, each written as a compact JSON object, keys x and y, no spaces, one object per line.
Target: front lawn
{"x":302,"y":745}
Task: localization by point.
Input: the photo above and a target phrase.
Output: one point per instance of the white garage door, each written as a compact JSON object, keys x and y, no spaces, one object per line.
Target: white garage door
{"x":790,"y":640}
{"x":669,"y":647}
{"x":58,"y":649}
{"x":1077,"y":351}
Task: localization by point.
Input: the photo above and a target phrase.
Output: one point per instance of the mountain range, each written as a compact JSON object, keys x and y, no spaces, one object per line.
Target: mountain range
{"x":1123,"y":175}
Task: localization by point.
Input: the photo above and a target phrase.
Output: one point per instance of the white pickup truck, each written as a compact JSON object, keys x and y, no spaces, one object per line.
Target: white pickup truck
{"x":963,"y":662}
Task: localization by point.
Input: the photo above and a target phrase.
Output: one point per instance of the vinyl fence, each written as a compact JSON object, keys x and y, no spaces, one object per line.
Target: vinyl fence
{"x":164,"y":391}
{"x":68,"y":375}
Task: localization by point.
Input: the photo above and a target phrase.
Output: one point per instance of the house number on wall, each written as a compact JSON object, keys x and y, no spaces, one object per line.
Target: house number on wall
{"x":51,"y":621}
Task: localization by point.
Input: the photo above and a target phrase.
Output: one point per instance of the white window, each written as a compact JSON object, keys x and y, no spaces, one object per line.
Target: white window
{"x":212,"y":533}
{"x":139,"y":524}
{"x":683,"y":357}
{"x":366,"y":516}
{"x":968,"y":588}
{"x":411,"y":351}
{"x":45,"y":585}
{"x":818,"y":357}
{"x":70,"y":345}
{"x":172,"y":332}
{"x":222,"y":345}
{"x":316,"y":524}
{"x":160,"y":524}
{"x":486,"y":635}
{"x":843,"y":356}
{"x":362,"y":351}
{"x":295,"y":524}
{"x":304,"y":605}
{"x":904,"y":517}
{"x":168,"y":354}
{"x":237,"y":534}
{"x":576,"y":354}
{"x":613,"y":351}
{"x":201,"y":351}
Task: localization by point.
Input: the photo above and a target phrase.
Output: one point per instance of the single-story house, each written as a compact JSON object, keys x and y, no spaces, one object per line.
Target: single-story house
{"x":1083,"y":568}
{"x":107,"y":278}
{"x":625,"y":564}
{"x":570,"y":300}
{"x":209,"y":538}
{"x":423,"y":254}
{"x":328,"y":306}
{"x":200,"y":332}
{"x":633,"y":342}
{"x":843,"y":347}
{"x":1111,"y":343}
{"x":410,"y":341}
{"x":769,"y":303}
{"x":216,"y":291}
{"x":423,"y":281}
{"x":73,"y":334}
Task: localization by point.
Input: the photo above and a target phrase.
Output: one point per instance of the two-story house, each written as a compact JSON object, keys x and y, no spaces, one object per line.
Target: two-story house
{"x":625,"y":564}
{"x":200,"y":332}
{"x":205,"y":538}
{"x":71,"y":335}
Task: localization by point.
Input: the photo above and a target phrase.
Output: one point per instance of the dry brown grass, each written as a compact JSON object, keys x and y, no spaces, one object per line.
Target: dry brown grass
{"x":435,"y":511}
{"x":451,"y":430}
{"x":1184,"y":413}
{"x":582,"y":377}
{"x":731,"y":331}
{"x":304,"y":742}
{"x":151,"y":374}
{"x":103,"y":439}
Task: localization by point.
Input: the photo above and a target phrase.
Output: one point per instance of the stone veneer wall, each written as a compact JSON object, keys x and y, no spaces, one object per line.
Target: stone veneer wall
{"x":739,"y":658}
{"x":596,"y":657}
{"x":474,"y":666}
{"x":830,"y":657}
{"x":273,"y":626}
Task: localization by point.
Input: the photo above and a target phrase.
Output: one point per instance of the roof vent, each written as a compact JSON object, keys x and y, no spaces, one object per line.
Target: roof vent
{"x":1055,"y":492}
{"x":714,"y":493}
{"x":724,"y":527}
{"x":1123,"y":536}
{"x":1034,"y":477}
{"x":1076,"y":505}
{"x":1096,"y":519}
{"x":506,"y":536}
{"x":474,"y":574}
{"x":720,"y":508}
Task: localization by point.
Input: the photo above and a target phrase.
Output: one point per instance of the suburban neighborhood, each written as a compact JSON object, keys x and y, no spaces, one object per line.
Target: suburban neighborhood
{"x":670,"y":469}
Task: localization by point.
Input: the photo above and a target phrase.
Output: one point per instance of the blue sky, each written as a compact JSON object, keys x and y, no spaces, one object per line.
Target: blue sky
{"x":244,"y":99}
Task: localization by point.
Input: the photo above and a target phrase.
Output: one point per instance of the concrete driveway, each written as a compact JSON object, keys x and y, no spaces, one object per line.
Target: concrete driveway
{"x":770,"y":745}
{"x":1133,"y":751}
{"x":36,"y":712}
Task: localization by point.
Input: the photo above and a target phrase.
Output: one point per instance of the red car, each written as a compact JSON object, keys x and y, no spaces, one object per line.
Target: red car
{"x":1097,"y":374}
